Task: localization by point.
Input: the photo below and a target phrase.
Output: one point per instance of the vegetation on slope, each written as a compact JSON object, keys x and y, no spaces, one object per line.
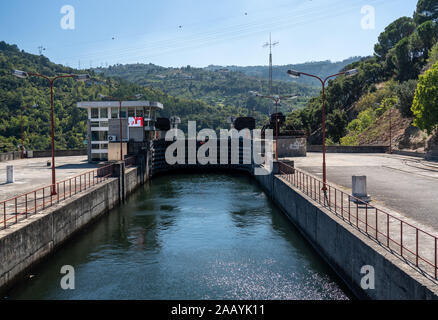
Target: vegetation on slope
{"x":404,"y":49}
{"x":70,"y":122}
{"x":219,"y":87}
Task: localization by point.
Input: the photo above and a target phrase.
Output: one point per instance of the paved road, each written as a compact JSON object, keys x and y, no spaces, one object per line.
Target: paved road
{"x":34,"y":173}
{"x":405,"y":184}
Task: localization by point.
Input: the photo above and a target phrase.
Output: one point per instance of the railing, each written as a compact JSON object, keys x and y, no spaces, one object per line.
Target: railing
{"x":415,"y":246}
{"x":130,"y":162}
{"x":21,"y":207}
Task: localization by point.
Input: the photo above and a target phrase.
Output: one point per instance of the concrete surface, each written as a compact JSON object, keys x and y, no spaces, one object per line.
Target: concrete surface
{"x":407,"y":185}
{"x":31,"y":174}
{"x":347,"y":249}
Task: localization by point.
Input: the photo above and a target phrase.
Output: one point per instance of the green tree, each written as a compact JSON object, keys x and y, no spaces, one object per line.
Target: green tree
{"x":405,"y":68}
{"x":405,"y":93}
{"x":336,"y":125}
{"x":426,"y":10}
{"x":422,"y":41}
{"x":396,"y":31}
{"x":425,"y":105}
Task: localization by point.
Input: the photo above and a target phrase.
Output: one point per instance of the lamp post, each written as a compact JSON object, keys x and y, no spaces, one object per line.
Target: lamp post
{"x":21,"y":121}
{"x":277,"y":100}
{"x":297,"y":74}
{"x":24,"y":75}
{"x":137,"y":96}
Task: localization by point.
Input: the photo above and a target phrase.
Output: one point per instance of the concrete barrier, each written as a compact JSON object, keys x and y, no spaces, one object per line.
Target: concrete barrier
{"x":346,"y":249}
{"x":349,"y":149}
{"x":289,"y":147}
{"x":26,"y":243}
{"x":9,"y":156}
{"x":60,"y":153}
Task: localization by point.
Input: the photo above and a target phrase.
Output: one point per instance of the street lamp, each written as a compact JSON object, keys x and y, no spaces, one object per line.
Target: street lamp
{"x":137,"y":96}
{"x":297,"y":74}
{"x":23,"y":75}
{"x":276,"y":99}
{"x":21,"y":120}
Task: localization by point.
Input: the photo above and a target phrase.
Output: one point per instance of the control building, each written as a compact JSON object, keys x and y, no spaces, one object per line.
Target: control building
{"x":138,"y":126}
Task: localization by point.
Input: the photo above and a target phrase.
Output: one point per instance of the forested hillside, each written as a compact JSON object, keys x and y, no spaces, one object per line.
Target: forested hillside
{"x":220,"y":87}
{"x":321,"y":68}
{"x":388,"y":80}
{"x":70,"y":122}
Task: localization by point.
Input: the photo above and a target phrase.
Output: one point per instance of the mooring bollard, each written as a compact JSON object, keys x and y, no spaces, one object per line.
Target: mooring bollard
{"x":360,"y":188}
{"x":10,"y":174}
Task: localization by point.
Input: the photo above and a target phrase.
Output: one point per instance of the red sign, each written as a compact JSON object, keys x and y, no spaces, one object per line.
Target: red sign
{"x":135,"y":122}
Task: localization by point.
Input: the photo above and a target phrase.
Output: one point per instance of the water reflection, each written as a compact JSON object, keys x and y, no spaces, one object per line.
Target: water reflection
{"x":189,"y":237}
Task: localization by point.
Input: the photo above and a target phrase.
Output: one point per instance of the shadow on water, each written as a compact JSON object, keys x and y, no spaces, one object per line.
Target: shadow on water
{"x":189,"y":237}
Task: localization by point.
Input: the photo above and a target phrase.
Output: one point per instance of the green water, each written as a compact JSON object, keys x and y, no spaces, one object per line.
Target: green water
{"x":188,"y":237}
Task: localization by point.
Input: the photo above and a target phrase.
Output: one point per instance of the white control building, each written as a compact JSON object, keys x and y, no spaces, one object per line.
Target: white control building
{"x":138,"y":125}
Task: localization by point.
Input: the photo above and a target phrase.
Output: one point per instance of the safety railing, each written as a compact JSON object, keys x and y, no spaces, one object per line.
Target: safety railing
{"x":413,"y":244}
{"x":21,"y":207}
{"x":130,"y":162}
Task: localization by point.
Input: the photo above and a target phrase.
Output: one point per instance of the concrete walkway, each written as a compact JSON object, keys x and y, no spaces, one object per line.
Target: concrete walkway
{"x":31,"y":174}
{"x":407,"y":185}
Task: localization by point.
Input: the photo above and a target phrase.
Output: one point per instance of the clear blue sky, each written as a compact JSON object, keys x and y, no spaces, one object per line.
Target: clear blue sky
{"x":197,"y":32}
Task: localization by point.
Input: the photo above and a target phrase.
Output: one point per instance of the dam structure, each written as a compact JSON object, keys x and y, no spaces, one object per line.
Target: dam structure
{"x":355,"y":244}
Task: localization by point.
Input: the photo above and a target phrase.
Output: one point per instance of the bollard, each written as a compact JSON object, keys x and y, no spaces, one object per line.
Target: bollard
{"x":360,"y":188}
{"x":10,"y":174}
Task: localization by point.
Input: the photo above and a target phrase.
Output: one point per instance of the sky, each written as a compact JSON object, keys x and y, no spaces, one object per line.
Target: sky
{"x":175,"y":33}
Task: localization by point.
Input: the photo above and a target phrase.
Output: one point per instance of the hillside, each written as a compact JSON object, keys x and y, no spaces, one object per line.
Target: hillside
{"x":70,"y":122}
{"x":402,"y":76}
{"x":321,"y":68}
{"x":219,"y":87}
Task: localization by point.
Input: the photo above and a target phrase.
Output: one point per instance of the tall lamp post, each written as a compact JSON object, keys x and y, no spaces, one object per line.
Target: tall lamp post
{"x":297,"y":74}
{"x":137,"y":96}
{"x":24,"y":75}
{"x":277,"y":100}
{"x":21,"y":121}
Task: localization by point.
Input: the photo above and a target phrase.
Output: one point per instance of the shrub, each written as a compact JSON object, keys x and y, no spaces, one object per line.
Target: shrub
{"x":425,"y":105}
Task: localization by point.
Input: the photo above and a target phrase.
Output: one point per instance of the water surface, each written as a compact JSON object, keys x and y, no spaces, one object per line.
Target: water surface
{"x":188,"y":237}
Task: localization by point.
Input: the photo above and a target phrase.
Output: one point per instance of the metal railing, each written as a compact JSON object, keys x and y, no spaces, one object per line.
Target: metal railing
{"x":413,"y":244}
{"x":130,"y":162}
{"x":21,"y":207}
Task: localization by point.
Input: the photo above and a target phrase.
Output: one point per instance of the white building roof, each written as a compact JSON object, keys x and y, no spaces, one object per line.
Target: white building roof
{"x":114,"y":104}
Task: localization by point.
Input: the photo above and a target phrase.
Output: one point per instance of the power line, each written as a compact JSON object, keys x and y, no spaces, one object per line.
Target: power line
{"x":233,"y":32}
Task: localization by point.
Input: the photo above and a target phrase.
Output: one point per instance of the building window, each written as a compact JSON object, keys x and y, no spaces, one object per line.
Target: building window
{"x":114,"y":113}
{"x":104,"y":113}
{"x":123,"y":113}
{"x":99,"y":136}
{"x":94,"y":113}
{"x":104,"y":124}
{"x":95,"y":146}
{"x":94,"y":124}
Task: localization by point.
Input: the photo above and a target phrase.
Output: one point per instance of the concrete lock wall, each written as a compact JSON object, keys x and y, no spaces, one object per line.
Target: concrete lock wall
{"x":8,"y":156}
{"x":60,"y":153}
{"x":347,"y":250}
{"x":292,"y":147}
{"x":349,"y":149}
{"x":26,"y":243}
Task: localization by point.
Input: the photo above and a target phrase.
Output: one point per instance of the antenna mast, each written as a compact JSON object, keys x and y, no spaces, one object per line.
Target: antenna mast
{"x":41,"y":49}
{"x":271,"y":45}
